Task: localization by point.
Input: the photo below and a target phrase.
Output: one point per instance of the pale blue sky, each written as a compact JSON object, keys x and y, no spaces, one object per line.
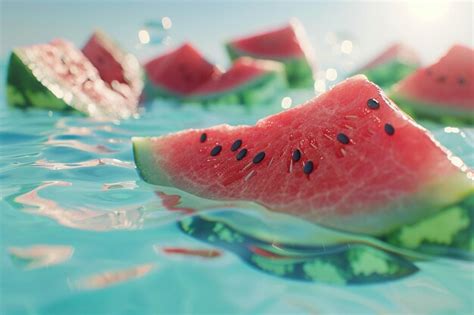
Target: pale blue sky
{"x":430,"y":27}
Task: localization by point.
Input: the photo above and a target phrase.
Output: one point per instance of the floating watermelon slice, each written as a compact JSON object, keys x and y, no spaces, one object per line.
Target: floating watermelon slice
{"x":392,"y":65}
{"x":121,"y":70}
{"x":349,"y":159}
{"x":178,"y":73}
{"x":287,"y":44}
{"x":443,"y":91}
{"x":248,"y":81}
{"x":58,"y":76}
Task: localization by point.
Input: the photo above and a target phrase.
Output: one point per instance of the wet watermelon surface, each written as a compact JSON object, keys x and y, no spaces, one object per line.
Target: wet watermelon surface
{"x":75,"y":215}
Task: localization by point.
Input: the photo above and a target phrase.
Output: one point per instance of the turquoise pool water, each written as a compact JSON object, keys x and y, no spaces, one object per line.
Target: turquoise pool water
{"x":82,"y":234}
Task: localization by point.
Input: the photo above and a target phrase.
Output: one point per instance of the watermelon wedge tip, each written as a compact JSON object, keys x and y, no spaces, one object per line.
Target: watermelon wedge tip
{"x":120,"y":69}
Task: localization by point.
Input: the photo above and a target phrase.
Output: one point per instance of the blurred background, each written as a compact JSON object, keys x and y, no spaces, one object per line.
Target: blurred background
{"x":355,"y":30}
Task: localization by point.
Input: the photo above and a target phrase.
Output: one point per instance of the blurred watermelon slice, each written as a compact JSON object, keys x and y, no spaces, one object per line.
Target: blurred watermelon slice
{"x":442,"y":92}
{"x":392,"y":65}
{"x":287,"y":44}
{"x":248,"y":81}
{"x":177,"y":73}
{"x":58,"y":76}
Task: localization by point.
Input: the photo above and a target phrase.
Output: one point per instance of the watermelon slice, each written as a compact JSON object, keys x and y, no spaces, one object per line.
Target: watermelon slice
{"x":287,"y":44}
{"x":121,"y":70}
{"x":349,"y":159}
{"x":443,"y":91}
{"x":392,"y":65}
{"x":248,"y":81}
{"x":177,"y":73}
{"x":58,"y":76}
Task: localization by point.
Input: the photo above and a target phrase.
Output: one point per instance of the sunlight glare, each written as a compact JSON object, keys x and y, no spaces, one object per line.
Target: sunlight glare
{"x":428,"y":10}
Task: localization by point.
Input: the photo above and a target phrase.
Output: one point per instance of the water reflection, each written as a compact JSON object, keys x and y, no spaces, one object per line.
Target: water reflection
{"x":182,"y":251}
{"x":113,"y":277}
{"x":40,"y":256}
{"x":75,"y":144}
{"x":56,"y":166}
{"x":127,"y":217}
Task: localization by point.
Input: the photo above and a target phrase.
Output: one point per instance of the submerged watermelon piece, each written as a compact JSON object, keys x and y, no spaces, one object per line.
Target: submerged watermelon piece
{"x":248,"y":81}
{"x":121,"y":70}
{"x":442,"y":92}
{"x":58,"y":76}
{"x":392,"y":65}
{"x":349,"y":159}
{"x":287,"y":44}
{"x":178,"y":73}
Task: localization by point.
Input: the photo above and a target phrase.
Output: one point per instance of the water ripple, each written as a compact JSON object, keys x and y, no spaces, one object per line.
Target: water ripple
{"x":57,"y":166}
{"x":40,"y":256}
{"x":113,"y":277}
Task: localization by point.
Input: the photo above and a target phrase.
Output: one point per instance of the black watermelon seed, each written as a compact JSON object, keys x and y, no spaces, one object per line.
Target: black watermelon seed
{"x":342,"y":138}
{"x":216,"y":150}
{"x":373,"y":103}
{"x":296,"y":155}
{"x":259,"y":157}
{"x":308,"y":167}
{"x":429,"y":72}
{"x":389,"y":129}
{"x":236,"y":145}
{"x":242,"y":153}
{"x":441,"y":79}
{"x":203,"y":137}
{"x":461,"y":81}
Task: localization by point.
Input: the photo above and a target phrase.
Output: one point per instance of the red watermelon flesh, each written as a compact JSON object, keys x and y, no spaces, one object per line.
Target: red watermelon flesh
{"x":119,"y":69}
{"x":447,"y":84}
{"x":279,"y":43}
{"x":396,"y":51}
{"x":243,"y":71}
{"x":57,"y":75}
{"x":349,"y":159}
{"x":181,"y":71}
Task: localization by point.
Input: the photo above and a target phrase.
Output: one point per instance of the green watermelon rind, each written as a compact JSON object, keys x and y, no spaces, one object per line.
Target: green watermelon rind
{"x":440,"y":113}
{"x":25,"y":90}
{"x":389,"y":73}
{"x":145,"y":162}
{"x":299,"y":71}
{"x":259,"y":90}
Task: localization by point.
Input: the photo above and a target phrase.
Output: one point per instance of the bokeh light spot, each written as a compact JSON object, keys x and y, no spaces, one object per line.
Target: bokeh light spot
{"x":331,"y":74}
{"x":286,"y":102}
{"x":143,"y":36}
